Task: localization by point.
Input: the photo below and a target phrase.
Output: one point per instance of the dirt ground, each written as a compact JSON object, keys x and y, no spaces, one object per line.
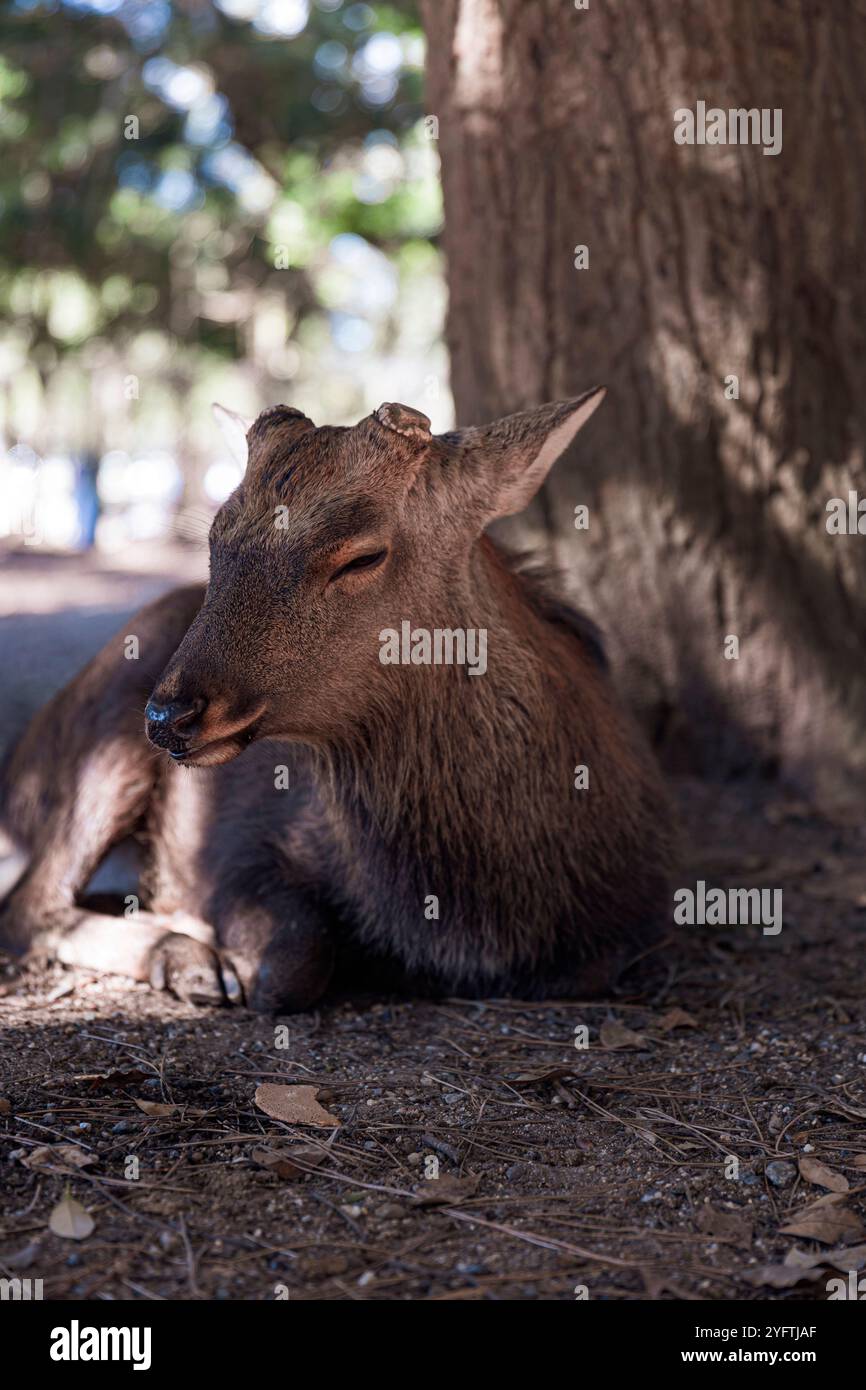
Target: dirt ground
{"x":564,"y":1171}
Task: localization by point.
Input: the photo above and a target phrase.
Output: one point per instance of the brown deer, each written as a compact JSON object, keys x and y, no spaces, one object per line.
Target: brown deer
{"x":305,"y":799}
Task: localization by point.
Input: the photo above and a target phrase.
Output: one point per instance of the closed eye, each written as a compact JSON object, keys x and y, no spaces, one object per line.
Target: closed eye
{"x":360,"y":562}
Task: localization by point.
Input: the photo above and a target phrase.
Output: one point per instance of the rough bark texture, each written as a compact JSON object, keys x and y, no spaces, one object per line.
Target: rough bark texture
{"x":707,"y":515}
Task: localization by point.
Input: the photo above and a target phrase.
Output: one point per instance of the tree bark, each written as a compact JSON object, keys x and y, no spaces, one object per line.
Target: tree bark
{"x":707,"y":514}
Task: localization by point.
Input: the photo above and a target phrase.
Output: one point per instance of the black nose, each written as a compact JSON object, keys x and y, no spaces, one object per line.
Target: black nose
{"x":176,"y":715}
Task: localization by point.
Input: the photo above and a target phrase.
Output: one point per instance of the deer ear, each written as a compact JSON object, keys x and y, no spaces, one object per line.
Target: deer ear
{"x":234,"y":429}
{"x":404,"y":419}
{"x":513,"y":456}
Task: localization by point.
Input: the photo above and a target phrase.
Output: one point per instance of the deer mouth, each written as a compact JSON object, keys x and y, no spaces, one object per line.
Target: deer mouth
{"x":215,"y":749}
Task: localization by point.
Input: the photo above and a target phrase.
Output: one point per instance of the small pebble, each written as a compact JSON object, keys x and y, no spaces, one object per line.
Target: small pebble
{"x":390,"y":1211}
{"x":780,"y":1173}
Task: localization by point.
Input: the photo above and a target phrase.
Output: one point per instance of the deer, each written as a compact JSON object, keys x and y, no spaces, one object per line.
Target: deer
{"x":307,"y":807}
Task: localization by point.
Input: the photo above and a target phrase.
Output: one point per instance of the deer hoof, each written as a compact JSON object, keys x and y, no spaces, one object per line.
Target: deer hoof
{"x":192,"y":972}
{"x":22,"y":934}
{"x":234,"y":990}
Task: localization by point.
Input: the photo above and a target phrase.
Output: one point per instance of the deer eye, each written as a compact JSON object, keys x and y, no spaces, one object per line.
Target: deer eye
{"x":360,"y":562}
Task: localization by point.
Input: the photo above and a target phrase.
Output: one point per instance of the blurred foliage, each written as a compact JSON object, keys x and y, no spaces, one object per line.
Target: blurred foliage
{"x":207,"y":196}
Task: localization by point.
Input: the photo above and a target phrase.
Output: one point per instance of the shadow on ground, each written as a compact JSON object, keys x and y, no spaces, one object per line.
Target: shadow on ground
{"x":608,"y":1167}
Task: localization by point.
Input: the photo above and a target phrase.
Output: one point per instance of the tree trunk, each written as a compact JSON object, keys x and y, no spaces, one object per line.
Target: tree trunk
{"x":707,"y":515}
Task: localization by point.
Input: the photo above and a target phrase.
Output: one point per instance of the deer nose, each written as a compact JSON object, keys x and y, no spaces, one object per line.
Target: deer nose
{"x":175,"y":716}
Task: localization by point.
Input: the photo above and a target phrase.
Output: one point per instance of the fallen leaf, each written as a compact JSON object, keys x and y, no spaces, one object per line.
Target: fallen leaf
{"x":283,"y":1163}
{"x":5,"y":1106}
{"x":159,"y":1109}
{"x":658,"y":1282}
{"x":543,"y":1074}
{"x":859,"y":1161}
{"x":296,"y":1105}
{"x":813,"y":1170}
{"x":613,"y":1035}
{"x":803,"y":1259}
{"x":731,"y":1227}
{"x":63,"y":1155}
{"x":845,"y":1258}
{"x":805,"y":1264}
{"x":676,"y":1018}
{"x":782,"y":1276}
{"x":25,"y":1257}
{"x":70,"y":1220}
{"x":826,"y":1220}
{"x":447,"y":1191}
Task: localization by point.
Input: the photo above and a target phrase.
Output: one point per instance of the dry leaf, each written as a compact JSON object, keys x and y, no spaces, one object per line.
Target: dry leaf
{"x":62,"y":1155}
{"x":676,"y":1018}
{"x":70,"y":1220}
{"x":656,"y":1283}
{"x":845,"y":1258}
{"x":813,"y":1170}
{"x":827,"y":1220}
{"x":859,"y":1161}
{"x":449,"y":1190}
{"x":157,"y":1108}
{"x":5,"y":1106}
{"x":782,"y":1276}
{"x":804,"y":1264}
{"x":613,"y":1035}
{"x":732,"y":1227}
{"x":296,"y":1105}
{"x":25,"y":1257}
{"x":283,"y":1163}
{"x":802,"y":1259}
{"x":547,"y":1073}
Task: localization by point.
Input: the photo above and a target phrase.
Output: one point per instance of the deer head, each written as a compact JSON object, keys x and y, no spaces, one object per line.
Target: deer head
{"x":334,"y":534}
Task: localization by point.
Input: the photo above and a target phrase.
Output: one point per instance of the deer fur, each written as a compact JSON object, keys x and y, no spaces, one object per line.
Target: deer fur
{"x":303,"y":804}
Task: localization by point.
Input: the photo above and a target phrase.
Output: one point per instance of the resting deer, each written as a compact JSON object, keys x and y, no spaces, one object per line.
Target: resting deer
{"x":301,"y":798}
